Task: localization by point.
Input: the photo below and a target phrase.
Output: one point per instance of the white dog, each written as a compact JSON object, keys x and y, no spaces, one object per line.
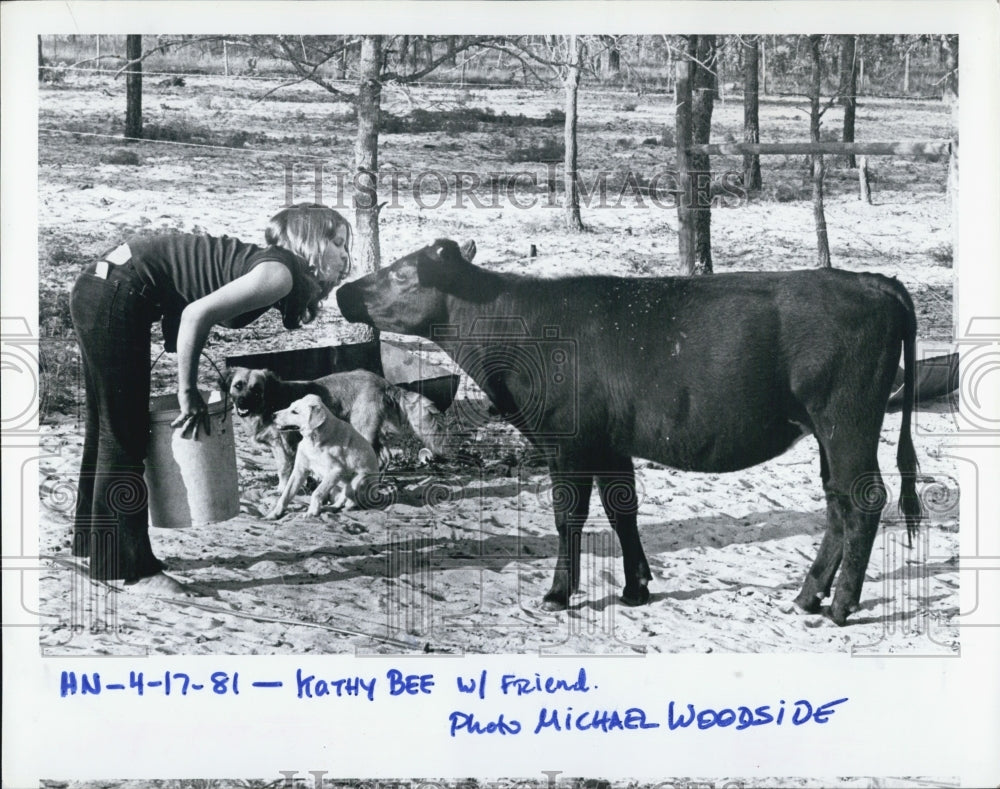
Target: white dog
{"x":333,"y":451}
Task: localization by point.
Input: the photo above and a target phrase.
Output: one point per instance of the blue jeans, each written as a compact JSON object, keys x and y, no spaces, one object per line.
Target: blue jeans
{"x":112,"y":318}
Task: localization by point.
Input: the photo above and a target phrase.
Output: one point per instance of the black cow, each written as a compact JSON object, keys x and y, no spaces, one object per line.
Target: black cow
{"x":713,"y":374}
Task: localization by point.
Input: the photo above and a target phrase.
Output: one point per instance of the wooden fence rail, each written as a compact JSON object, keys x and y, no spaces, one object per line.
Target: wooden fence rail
{"x":925,"y":148}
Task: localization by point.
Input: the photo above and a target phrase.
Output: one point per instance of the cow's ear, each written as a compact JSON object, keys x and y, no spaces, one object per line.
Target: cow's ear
{"x":468,"y":250}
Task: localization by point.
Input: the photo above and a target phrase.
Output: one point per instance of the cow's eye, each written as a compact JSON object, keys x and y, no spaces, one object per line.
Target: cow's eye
{"x":397,"y":275}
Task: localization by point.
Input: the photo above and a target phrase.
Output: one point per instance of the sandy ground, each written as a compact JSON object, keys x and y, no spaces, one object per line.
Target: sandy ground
{"x":460,"y":556}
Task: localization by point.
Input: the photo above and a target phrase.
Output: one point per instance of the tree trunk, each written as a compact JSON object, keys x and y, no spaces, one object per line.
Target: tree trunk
{"x":950,"y":90}
{"x":367,"y":255}
{"x":848,"y":90}
{"x":685,"y":218}
{"x":612,"y":57}
{"x":751,"y":115}
{"x":414,"y":54}
{"x":41,"y":60}
{"x":404,"y":49}
{"x":133,"y":88}
{"x":763,"y":65}
{"x":340,"y":64}
{"x":822,"y":242}
{"x":570,"y":184}
{"x":703,"y":88}
{"x":906,"y":73}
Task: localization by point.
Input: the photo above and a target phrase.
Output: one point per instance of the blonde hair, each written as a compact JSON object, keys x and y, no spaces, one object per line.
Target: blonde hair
{"x":306,"y":229}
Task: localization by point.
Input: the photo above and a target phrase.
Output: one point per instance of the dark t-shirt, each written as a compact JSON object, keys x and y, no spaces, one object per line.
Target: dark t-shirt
{"x":182,"y":268}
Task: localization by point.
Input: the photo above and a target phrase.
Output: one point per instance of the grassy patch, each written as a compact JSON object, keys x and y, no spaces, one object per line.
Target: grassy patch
{"x":121,"y":156}
{"x":185,"y":131}
{"x":462,"y":119}
{"x":548,"y":149}
{"x":942,"y":255}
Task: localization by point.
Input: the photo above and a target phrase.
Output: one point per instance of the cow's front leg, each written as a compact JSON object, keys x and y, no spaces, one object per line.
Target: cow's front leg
{"x":616,"y":487}
{"x":571,"y":501}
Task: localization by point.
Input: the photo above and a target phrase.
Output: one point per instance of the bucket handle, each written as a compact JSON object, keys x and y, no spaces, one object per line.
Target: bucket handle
{"x":218,"y":372}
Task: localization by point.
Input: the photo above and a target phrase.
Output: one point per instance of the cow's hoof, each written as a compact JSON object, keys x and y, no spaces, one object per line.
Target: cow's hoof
{"x":805,"y":604}
{"x":637,"y":596}
{"x":554,"y":603}
{"x":839,"y":615}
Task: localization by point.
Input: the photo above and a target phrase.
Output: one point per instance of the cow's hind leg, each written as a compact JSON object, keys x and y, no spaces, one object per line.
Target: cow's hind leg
{"x":819,"y":580}
{"x":616,"y":487}
{"x":855,"y":497}
{"x":864,"y":509}
{"x":571,"y":501}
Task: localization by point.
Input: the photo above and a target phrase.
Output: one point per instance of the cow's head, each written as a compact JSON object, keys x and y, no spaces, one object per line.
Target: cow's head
{"x":411,"y":295}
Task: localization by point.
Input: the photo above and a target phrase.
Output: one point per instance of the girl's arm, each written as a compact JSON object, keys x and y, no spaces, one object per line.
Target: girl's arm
{"x":264,"y":285}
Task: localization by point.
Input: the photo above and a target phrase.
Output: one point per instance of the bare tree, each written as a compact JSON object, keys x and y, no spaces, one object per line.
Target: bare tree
{"x":704,"y":86}
{"x":133,"y":87}
{"x":685,"y":193}
{"x":381,"y":60}
{"x":822,"y":241}
{"x":612,"y":56}
{"x":41,"y":60}
{"x":572,"y":82}
{"x":848,"y":89}
{"x":751,"y":115}
{"x":949,"y":46}
{"x":543,"y":58}
{"x":366,"y":208}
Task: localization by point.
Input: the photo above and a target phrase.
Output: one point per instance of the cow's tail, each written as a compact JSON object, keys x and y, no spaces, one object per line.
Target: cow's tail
{"x":906,"y":456}
{"x":426,"y":421}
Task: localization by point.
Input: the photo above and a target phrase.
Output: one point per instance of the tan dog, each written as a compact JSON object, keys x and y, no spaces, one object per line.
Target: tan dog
{"x":375,"y":408}
{"x":331,"y":450}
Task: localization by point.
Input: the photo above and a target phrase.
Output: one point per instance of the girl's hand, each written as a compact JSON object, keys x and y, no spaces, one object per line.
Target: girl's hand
{"x":194,"y":413}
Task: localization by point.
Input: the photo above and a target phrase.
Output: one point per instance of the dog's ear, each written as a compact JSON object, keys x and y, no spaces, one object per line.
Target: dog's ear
{"x":270,"y":386}
{"x":227,"y":379}
{"x":317,"y":415}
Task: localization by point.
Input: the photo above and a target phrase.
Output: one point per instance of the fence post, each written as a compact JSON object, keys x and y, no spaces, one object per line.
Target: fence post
{"x":133,"y":87}
{"x":863,"y":184}
{"x":685,"y":213}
